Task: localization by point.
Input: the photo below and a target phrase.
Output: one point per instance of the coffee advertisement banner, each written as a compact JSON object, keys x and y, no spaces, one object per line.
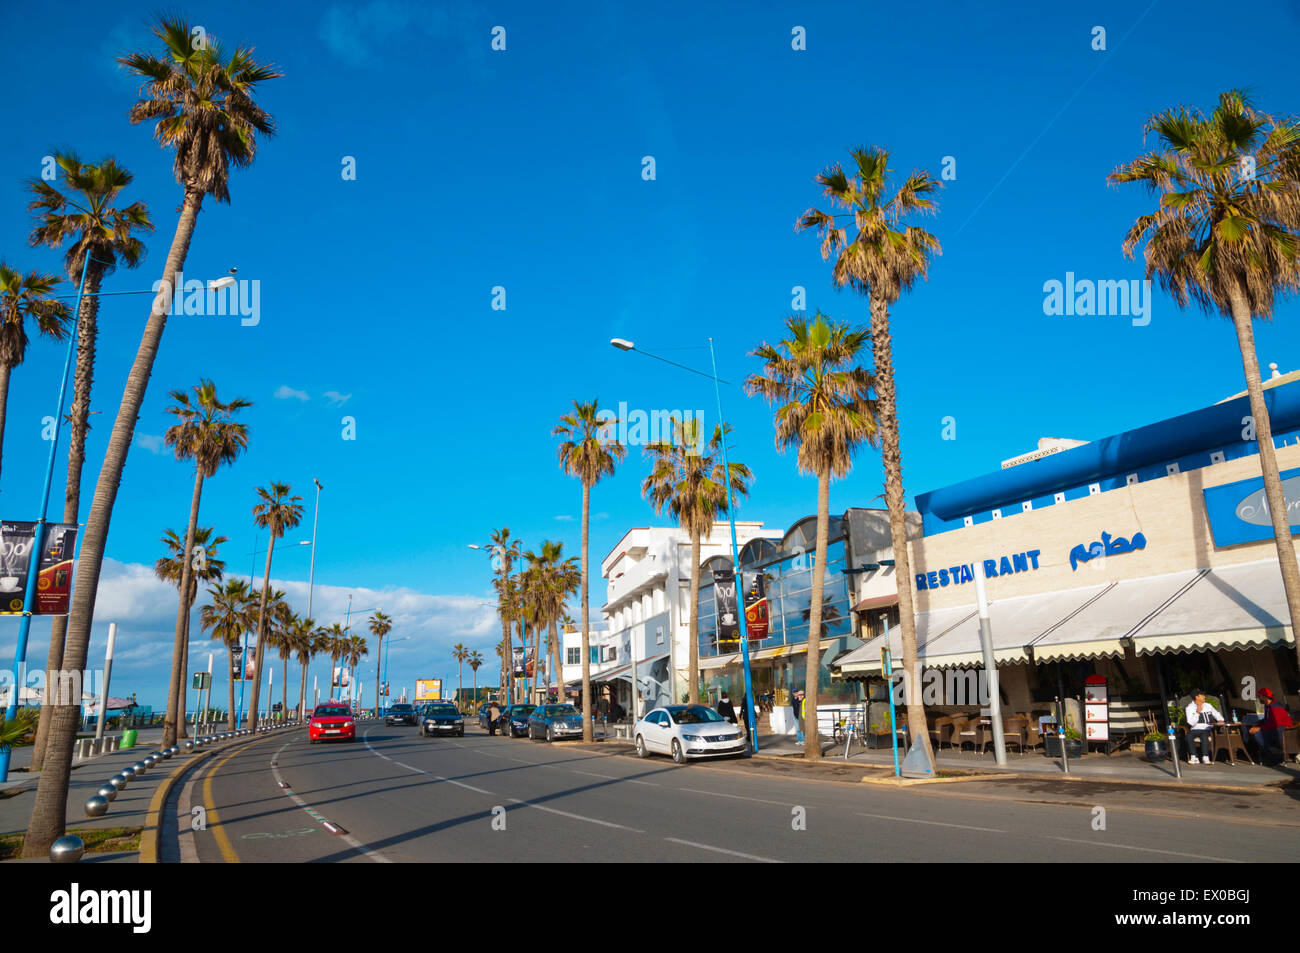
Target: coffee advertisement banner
{"x":54,"y":568}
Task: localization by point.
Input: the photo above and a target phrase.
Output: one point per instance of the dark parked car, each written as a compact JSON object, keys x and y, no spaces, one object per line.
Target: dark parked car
{"x":515,"y":723}
{"x":401,"y":714}
{"x":554,"y":722}
{"x":441,"y":718}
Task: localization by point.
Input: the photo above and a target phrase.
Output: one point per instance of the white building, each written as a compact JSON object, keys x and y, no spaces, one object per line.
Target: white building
{"x":647,"y":607}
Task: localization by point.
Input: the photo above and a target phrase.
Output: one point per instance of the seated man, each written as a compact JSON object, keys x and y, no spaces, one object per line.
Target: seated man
{"x":1267,"y":732}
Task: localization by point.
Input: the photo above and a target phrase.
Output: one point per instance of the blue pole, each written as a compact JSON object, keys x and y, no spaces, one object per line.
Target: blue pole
{"x":243,"y":649}
{"x":38,"y":538}
{"x":889,"y":684}
{"x":385,"y":686}
{"x":735,"y":559}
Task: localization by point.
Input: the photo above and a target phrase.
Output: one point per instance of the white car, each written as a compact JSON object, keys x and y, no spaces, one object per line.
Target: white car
{"x":688,"y":731}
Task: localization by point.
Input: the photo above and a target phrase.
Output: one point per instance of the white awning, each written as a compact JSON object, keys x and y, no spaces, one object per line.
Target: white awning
{"x":718,"y":661}
{"x":930,"y":628}
{"x":1234,"y":607}
{"x":1098,"y":628}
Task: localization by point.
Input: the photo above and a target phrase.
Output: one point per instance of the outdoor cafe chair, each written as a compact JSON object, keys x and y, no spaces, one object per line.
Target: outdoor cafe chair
{"x":1229,"y":740}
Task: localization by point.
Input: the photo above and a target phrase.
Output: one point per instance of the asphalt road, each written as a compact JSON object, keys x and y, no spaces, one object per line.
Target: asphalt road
{"x":402,"y":798}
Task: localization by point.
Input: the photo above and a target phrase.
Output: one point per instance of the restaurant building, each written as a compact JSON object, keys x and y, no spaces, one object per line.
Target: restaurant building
{"x":1145,"y":558}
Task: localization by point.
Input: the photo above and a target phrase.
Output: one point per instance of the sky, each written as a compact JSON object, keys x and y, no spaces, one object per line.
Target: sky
{"x":379,"y":365}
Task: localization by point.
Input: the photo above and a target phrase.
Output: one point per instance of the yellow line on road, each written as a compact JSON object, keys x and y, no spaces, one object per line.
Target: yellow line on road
{"x":214,"y":819}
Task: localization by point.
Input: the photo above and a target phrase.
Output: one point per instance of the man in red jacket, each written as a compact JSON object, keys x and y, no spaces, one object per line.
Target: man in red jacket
{"x":1268,"y":731}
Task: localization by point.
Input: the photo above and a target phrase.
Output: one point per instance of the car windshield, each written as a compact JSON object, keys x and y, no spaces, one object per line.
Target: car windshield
{"x":694,"y":715}
{"x":332,"y":710}
{"x":442,"y":710}
{"x":557,"y":710}
{"x":397,"y":709}
{"x":522,"y":709}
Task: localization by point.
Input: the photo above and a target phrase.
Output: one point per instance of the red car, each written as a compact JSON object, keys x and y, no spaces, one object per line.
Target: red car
{"x":333,"y":720}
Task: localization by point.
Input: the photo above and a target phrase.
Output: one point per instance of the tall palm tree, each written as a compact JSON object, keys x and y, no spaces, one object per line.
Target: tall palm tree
{"x":825,"y":409}
{"x":505,"y":552}
{"x":228,"y":616}
{"x":690,"y":482}
{"x":99,"y":234}
{"x":1226,"y":235}
{"x":380,"y":626}
{"x":475,"y":659}
{"x":588,"y":454}
{"x":203,"y":101}
{"x":302,"y":639}
{"x":277,"y":513}
{"x":356,"y":648}
{"x":335,"y":640}
{"x":24,"y":298}
{"x":207,"y":433}
{"x":554,"y":580}
{"x":460,"y":654}
{"x":283,"y":624}
{"x":883,"y":258}
{"x":203,"y":565}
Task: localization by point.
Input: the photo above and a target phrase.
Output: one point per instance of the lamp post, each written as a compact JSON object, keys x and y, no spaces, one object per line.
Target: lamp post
{"x":625,"y":345}
{"x":108,"y":673}
{"x":311,"y":573}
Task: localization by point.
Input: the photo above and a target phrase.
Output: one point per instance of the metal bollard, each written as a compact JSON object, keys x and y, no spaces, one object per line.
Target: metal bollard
{"x":1065,"y":757}
{"x":67,"y":849}
{"x":1173,"y":753}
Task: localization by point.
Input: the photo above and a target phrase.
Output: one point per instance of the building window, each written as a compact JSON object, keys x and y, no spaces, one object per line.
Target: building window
{"x":595,"y":655}
{"x":659,"y":635}
{"x":573,"y":655}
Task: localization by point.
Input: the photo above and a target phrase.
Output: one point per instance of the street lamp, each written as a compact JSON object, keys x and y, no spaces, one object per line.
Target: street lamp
{"x":624,"y":345}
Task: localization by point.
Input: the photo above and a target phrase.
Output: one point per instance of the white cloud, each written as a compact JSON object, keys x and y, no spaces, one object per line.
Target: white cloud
{"x":337,"y":399}
{"x":565,"y":519}
{"x":285,"y":392}
{"x":150,"y":442}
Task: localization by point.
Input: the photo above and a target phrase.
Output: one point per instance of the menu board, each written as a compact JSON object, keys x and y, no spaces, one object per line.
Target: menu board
{"x":1096,"y":710}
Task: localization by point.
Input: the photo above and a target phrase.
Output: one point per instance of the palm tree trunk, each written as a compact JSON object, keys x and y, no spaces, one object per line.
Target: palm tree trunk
{"x":693,"y":632}
{"x":887,"y":397}
{"x":812,"y":744}
{"x":4,"y":403}
{"x":176,"y":693}
{"x":302,"y":691}
{"x":557,"y":673}
{"x":586,"y":624}
{"x":230,"y":690}
{"x":83,"y":377}
{"x":181,"y":730}
{"x":475,"y":670}
{"x":261,"y":636}
{"x":284,"y":693}
{"x":1286,"y":556}
{"x":379,"y":658}
{"x":49,"y":812}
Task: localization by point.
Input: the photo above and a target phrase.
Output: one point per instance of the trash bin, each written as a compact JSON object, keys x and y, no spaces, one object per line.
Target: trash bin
{"x":128,"y":738}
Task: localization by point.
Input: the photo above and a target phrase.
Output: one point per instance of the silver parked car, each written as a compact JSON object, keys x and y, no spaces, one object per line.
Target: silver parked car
{"x":554,"y":722}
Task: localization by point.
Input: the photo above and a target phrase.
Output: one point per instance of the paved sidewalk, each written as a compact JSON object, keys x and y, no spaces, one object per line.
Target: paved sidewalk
{"x":1121,"y":766}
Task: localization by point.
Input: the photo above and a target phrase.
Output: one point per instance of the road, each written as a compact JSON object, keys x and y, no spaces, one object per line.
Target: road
{"x":402,"y":798}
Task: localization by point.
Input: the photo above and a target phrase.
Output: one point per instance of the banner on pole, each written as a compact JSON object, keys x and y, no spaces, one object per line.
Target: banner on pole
{"x":517,"y":660}
{"x":725,"y":608}
{"x":755,"y":607}
{"x":54,"y":568}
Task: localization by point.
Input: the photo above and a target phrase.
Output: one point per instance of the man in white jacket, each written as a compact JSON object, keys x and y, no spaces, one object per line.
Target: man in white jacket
{"x":1201,"y":716}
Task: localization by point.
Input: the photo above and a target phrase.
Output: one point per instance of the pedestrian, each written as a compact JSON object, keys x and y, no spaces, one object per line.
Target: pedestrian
{"x":1268,"y":730}
{"x":742,"y":716}
{"x":726,"y":710}
{"x":1201,"y":716}
{"x":494,"y":718}
{"x":796,"y":702}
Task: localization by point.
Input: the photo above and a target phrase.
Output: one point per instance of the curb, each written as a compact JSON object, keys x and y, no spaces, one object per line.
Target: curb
{"x":152,"y":830}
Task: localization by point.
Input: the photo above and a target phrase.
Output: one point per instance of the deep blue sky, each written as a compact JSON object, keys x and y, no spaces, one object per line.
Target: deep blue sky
{"x":522,"y":169}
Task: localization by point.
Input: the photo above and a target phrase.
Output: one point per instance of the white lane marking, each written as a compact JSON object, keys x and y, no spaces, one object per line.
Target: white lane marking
{"x":1150,"y":850}
{"x":576,"y":817}
{"x":738,"y":797}
{"x":723,"y":850}
{"x":347,"y":838}
{"x":916,"y":820}
{"x":590,"y":774}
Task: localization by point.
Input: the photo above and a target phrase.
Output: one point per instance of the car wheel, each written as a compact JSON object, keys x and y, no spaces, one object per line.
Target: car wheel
{"x":641,"y":751}
{"x":679,"y":756}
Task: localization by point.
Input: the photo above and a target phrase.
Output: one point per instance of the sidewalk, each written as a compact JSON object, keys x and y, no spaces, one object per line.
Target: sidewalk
{"x":1128,"y":766}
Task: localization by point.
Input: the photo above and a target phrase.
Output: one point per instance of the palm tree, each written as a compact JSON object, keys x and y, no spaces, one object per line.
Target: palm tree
{"x":100,"y":234}
{"x":355,"y":648}
{"x":228,"y":616}
{"x":283,"y":624}
{"x":505,"y":551}
{"x":380,"y":626}
{"x":203,"y":565}
{"x":460,"y":654}
{"x":588,"y":454}
{"x":553,"y":580}
{"x":23,"y":298}
{"x":825,"y":409}
{"x":1226,"y":235}
{"x":475,"y":659}
{"x":205,"y":432}
{"x":334,"y":641}
{"x":205,"y":109}
{"x":883,"y":259}
{"x":691,"y":483}
{"x":277,"y":512}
